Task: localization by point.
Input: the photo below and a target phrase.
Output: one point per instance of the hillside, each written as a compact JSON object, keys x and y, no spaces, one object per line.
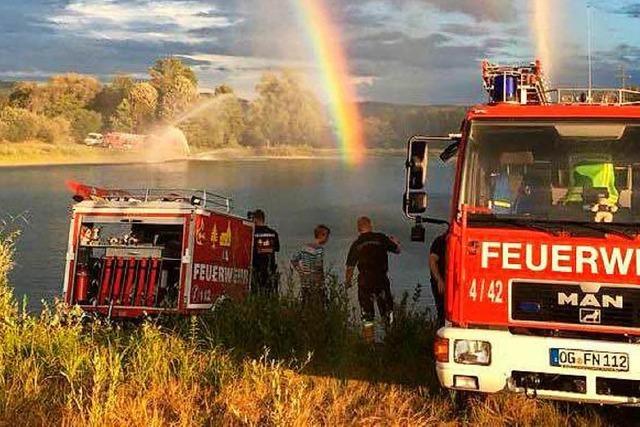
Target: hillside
{"x":390,"y":125}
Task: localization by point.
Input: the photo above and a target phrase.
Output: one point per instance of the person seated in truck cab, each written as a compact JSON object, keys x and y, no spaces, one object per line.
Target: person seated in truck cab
{"x":534,"y":195}
{"x":593,"y":175}
{"x":506,"y":181}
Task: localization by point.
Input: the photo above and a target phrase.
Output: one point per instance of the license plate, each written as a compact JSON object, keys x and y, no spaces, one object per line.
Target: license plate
{"x":586,"y":359}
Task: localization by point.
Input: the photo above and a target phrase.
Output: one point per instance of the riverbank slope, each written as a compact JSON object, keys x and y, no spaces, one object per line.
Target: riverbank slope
{"x":42,"y":154}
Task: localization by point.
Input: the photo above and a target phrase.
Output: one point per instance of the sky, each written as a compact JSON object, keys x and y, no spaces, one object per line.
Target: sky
{"x":400,"y":51}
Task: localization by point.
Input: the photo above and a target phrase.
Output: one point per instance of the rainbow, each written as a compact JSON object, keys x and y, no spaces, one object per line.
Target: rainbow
{"x":329,"y":53}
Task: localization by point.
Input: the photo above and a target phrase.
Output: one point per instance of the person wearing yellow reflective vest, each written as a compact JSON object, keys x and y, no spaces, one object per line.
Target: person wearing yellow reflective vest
{"x":593,"y":175}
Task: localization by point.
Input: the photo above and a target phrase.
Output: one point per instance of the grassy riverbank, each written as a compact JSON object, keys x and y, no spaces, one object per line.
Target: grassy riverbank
{"x":262,"y":362}
{"x":39,"y":153}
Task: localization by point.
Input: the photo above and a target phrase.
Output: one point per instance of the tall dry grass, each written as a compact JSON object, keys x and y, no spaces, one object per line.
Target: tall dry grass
{"x":263,"y":362}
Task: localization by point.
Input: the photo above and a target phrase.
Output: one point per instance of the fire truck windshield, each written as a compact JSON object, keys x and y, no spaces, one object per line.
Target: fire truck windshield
{"x":554,"y":171}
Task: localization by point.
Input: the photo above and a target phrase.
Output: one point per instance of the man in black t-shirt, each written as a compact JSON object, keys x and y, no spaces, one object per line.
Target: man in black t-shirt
{"x":369,"y":253}
{"x":437,"y":267}
{"x":265,"y":245}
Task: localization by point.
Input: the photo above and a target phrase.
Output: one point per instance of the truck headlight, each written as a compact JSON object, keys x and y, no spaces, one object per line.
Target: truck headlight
{"x":472,"y":352}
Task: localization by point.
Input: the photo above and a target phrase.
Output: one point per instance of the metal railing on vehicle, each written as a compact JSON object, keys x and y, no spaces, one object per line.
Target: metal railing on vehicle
{"x":201,"y":198}
{"x":594,"y":96}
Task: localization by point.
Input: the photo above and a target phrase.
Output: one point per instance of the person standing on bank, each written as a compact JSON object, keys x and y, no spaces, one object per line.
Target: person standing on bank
{"x":437,"y":267}
{"x":369,"y":253}
{"x":265,"y":245}
{"x":309,"y":264}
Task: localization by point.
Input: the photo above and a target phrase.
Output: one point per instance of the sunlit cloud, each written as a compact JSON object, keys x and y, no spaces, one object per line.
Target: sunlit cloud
{"x":150,"y":20}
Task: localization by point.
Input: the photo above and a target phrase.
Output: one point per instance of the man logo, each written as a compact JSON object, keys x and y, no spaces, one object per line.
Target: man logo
{"x":590,"y":315}
{"x":591,"y":300}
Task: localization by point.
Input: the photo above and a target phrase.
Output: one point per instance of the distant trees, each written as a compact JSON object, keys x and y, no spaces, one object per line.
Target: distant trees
{"x":391,"y":125}
{"x":111,"y":96}
{"x":176,"y":85}
{"x":285,"y":111}
{"x":218,"y":121}
{"x":143,"y":105}
{"x":122,"y":119}
{"x":19,"y":124}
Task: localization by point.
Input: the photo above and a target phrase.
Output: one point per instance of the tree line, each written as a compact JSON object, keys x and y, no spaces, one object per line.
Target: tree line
{"x":285,"y":111}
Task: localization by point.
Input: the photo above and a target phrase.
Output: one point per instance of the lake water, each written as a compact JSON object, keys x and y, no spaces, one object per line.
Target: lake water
{"x":296,"y":194}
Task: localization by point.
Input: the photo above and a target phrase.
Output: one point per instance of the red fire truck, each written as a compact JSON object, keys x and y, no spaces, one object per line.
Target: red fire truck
{"x":133,"y":253}
{"x":543,"y":244}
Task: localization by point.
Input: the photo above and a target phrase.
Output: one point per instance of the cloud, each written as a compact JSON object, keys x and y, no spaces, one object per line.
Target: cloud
{"x":465,"y":30}
{"x":242,"y":63}
{"x":480,"y":10}
{"x":148,"y":20}
{"x":630,"y":10}
{"x":435,"y":51}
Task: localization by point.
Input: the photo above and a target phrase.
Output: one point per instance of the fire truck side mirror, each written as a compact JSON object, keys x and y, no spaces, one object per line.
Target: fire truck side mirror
{"x":415,"y":196}
{"x":415,"y":203}
{"x":416,"y":166}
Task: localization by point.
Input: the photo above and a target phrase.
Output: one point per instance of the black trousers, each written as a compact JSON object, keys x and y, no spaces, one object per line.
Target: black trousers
{"x":374,"y":289}
{"x":439,"y":301}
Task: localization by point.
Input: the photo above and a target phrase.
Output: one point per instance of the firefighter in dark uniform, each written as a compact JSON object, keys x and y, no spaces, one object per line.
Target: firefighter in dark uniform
{"x":265,"y":245}
{"x":369,"y":253}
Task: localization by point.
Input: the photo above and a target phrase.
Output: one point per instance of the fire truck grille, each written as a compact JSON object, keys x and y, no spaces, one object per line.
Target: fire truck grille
{"x":567,"y":303}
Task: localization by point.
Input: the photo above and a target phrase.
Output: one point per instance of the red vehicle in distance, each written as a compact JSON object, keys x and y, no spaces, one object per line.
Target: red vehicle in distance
{"x":124,"y":141}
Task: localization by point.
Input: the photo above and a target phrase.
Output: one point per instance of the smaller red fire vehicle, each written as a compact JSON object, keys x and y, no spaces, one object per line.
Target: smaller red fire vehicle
{"x":124,"y":141}
{"x":133,"y":253}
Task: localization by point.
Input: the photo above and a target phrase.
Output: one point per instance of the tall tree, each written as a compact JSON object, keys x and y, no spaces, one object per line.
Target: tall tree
{"x":121,"y":120}
{"x":84,"y":122}
{"x":143,"y":101}
{"x":221,"y":122}
{"x":177,"y":98}
{"x":22,"y":95}
{"x":65,"y":93}
{"x":111,"y":95}
{"x":165,"y":71}
{"x":177,"y":87}
{"x":286,"y":112}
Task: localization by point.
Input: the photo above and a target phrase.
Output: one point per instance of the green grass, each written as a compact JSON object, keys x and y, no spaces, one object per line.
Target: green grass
{"x":36,"y":153}
{"x":264,"y":361}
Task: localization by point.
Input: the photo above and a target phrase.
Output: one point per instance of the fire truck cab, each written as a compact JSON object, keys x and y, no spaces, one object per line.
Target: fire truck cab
{"x":133,"y":253}
{"x":543,"y":244}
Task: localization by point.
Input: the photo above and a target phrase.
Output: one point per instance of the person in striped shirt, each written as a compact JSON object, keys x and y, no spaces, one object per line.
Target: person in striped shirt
{"x":309,"y":264}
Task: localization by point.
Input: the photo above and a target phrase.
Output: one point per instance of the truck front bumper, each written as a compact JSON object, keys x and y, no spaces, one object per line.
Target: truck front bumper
{"x":521,"y":363}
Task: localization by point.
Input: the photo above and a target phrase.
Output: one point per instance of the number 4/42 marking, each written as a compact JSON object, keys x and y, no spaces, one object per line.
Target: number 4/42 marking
{"x":493,"y":292}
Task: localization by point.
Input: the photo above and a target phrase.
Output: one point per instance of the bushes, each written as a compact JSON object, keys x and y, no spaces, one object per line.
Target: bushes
{"x":54,"y":131}
{"x":20,"y":125}
{"x":84,"y":122}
